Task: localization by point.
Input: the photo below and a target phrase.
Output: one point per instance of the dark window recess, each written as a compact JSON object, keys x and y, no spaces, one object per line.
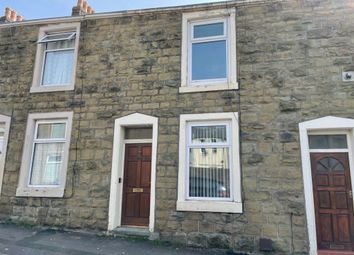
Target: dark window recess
{"x":138,"y":133}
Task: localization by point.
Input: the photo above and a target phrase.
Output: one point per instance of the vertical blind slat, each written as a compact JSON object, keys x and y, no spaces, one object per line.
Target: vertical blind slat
{"x":209,"y":171}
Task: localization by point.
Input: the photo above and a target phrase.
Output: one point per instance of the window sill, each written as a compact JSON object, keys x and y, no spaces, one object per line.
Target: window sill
{"x":210,"y":206}
{"x":41,"y":89}
{"x":210,"y":87}
{"x":40,"y":192}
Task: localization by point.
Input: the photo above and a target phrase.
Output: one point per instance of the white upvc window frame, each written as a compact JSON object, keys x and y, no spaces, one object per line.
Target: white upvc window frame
{"x":193,"y":40}
{"x":229,"y":205}
{"x":45,"y":141}
{"x":45,"y":54}
{"x":190,"y":145}
{"x":46,"y":40}
{"x":73,"y":30}
{"x":34,"y":119}
{"x":7,"y":121}
{"x":189,"y":20}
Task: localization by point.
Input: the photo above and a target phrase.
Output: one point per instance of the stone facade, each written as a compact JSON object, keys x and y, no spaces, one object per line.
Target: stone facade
{"x":290,"y":56}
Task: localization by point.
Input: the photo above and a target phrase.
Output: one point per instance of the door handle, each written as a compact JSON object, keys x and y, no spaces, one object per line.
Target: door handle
{"x":350,"y":193}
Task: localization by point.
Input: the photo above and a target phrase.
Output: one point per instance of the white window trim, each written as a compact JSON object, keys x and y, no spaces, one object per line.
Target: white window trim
{"x":229,"y":15}
{"x":189,"y":145}
{"x":42,"y":141}
{"x":46,"y":40}
{"x":24,"y":189}
{"x":325,"y":125}
{"x":40,"y":56}
{"x":234,"y":206}
{"x":7,"y":121}
{"x":191,"y":41}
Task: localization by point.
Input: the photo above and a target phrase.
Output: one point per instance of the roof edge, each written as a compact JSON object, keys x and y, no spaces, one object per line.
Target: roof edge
{"x":214,"y":5}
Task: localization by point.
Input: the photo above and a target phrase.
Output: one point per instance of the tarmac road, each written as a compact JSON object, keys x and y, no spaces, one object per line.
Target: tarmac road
{"x":18,"y":240}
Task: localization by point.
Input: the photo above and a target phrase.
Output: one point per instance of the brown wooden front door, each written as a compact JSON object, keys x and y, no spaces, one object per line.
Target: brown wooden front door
{"x":136,"y":187}
{"x":333,"y":200}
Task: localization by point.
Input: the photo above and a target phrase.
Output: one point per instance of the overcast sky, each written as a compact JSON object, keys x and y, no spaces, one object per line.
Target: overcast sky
{"x":36,"y":9}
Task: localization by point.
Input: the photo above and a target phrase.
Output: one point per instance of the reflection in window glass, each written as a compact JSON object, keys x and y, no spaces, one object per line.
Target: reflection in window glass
{"x":57,"y":37}
{"x":209,"y":162}
{"x":207,"y":30}
{"x":58,"y":63}
{"x":48,"y":152}
{"x":209,"y":172}
{"x":328,"y":164}
{"x":328,"y":142}
{"x":58,"y":67}
{"x":138,"y":133}
{"x":47,"y":163}
{"x":209,"y":60}
{"x":209,"y":134}
{"x":51,"y":130}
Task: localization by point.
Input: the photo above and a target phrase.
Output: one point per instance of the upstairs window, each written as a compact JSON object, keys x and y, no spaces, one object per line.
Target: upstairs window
{"x":59,"y":49}
{"x":208,"y":51}
{"x":56,"y":58}
{"x":208,"y":47}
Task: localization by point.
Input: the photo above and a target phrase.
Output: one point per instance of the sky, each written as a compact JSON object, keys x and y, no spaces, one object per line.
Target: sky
{"x":37,"y":9}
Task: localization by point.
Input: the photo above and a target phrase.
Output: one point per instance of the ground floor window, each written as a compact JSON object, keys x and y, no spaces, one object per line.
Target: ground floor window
{"x":4,"y":133}
{"x":209,"y":168}
{"x":45,"y":155}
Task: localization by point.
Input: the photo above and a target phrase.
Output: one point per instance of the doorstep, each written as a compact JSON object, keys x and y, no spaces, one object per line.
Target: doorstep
{"x":132,"y":231}
{"x":334,"y":252}
{"x":136,"y":231}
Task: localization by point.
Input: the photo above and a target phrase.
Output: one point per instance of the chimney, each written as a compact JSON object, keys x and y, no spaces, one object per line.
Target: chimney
{"x":10,"y":16}
{"x":82,"y":8}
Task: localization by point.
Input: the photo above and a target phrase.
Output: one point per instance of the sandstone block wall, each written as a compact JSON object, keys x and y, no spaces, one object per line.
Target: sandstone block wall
{"x":290,"y":56}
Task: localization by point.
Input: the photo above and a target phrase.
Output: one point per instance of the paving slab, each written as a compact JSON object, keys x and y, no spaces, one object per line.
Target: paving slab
{"x":19,"y":240}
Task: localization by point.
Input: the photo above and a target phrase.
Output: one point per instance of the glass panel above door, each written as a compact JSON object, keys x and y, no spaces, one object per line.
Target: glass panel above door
{"x":328,"y":142}
{"x":138,"y":133}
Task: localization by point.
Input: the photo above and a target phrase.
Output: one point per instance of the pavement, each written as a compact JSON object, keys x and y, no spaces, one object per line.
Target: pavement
{"x":20,"y":240}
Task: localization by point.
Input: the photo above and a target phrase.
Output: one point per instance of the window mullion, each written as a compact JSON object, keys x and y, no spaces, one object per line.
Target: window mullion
{"x":48,"y":141}
{"x":209,"y":145}
{"x":60,"y":49}
{"x":209,"y":39}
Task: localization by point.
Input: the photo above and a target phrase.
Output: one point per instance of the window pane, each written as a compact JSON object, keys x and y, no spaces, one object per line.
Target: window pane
{"x":57,"y":36}
{"x":209,"y":172}
{"x":138,"y":133}
{"x":47,"y":163}
{"x":328,"y":142}
{"x":207,"y":30}
{"x":329,"y":164}
{"x":60,"y":45}
{"x":51,"y":130}
{"x":58,"y":67}
{"x":209,"y":60}
{"x":209,"y":134}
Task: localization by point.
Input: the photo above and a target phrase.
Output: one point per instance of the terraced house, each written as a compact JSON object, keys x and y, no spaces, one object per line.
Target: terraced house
{"x":225,"y":125}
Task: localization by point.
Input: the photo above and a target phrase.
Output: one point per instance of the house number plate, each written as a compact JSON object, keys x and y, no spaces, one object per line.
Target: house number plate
{"x":138,"y":190}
